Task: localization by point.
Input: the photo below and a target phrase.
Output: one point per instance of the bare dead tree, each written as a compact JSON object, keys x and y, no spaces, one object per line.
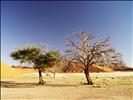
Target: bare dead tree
{"x":117,"y":63}
{"x":87,"y":53}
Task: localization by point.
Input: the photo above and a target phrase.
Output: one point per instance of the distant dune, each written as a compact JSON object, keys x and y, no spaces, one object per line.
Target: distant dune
{"x":16,"y":71}
{"x":69,"y":69}
{"x":94,"y":68}
{"x":7,"y":71}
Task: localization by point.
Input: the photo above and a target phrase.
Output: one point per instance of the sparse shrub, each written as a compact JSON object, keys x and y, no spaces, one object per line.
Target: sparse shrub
{"x":81,"y":82}
{"x":104,"y":82}
{"x":97,"y":86}
{"x":112,"y":78}
{"x":83,"y":79}
{"x":114,"y":84}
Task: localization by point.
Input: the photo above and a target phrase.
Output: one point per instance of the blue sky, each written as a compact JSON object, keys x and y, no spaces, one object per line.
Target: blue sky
{"x":32,"y":22}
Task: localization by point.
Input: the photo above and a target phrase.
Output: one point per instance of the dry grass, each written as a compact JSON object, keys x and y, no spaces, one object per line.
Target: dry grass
{"x":22,"y":85}
{"x":107,"y":86}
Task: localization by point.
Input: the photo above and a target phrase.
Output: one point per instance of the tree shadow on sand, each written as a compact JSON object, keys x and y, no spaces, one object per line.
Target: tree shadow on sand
{"x":12,"y":84}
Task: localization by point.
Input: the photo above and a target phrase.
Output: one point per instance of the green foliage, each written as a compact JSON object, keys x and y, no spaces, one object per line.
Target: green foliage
{"x":53,"y":57}
{"x":48,"y":60}
{"x":26,"y":54}
{"x":34,"y":54}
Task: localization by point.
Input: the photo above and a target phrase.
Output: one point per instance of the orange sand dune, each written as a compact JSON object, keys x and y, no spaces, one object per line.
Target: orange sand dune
{"x":94,"y":68}
{"x":7,"y":71}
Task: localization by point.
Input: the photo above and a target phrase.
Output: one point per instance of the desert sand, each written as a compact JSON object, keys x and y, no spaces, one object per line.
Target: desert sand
{"x":8,"y":72}
{"x":67,"y":86}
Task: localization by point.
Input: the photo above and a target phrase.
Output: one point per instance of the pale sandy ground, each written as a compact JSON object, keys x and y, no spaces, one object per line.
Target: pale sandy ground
{"x":70,"y":86}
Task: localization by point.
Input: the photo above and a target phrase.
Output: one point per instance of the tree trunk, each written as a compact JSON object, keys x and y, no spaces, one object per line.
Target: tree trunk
{"x":89,"y":81}
{"x":54,"y":74}
{"x":40,"y":77}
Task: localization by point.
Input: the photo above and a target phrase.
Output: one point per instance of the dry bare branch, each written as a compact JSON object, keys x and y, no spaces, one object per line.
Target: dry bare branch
{"x":83,"y":51}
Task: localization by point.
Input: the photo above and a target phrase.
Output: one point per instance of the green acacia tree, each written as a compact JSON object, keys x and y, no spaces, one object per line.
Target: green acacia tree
{"x":41,"y":58}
